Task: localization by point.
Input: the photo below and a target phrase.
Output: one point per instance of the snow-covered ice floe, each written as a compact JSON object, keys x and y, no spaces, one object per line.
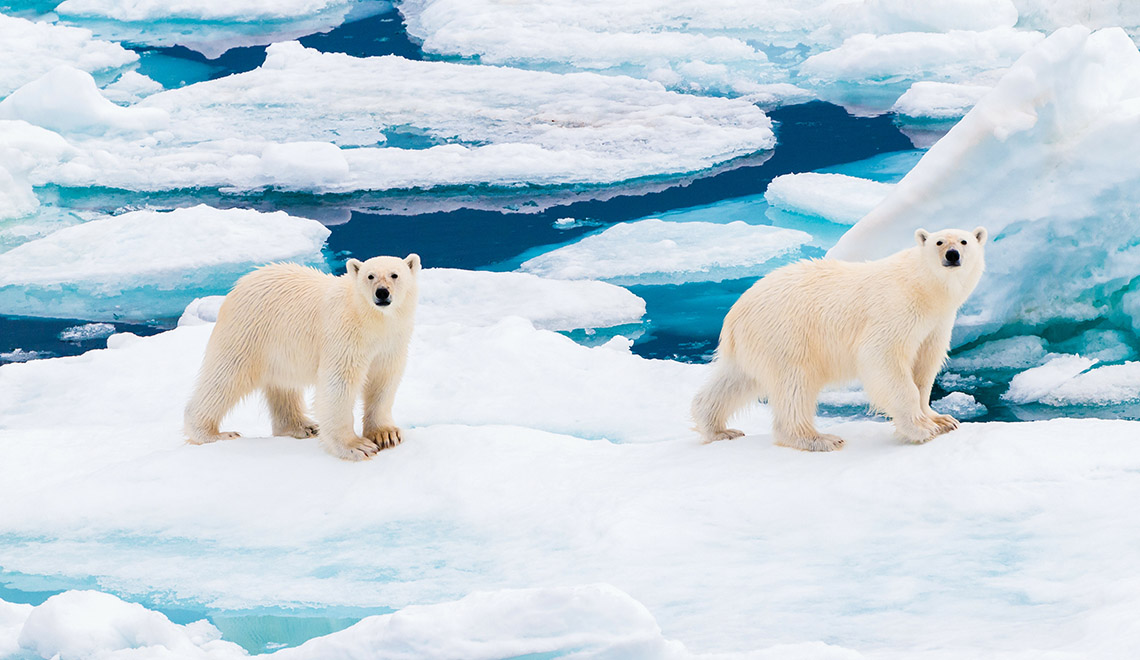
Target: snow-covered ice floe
{"x":1073,"y":380}
{"x":654,"y":251}
{"x":328,"y":122}
{"x":1044,"y":161}
{"x":730,"y":547}
{"x":29,"y":49}
{"x":213,"y":27}
{"x":146,"y":264}
{"x":834,"y":197}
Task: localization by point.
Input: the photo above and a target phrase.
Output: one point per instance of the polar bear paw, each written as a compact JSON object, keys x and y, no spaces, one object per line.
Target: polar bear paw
{"x":305,"y":429}
{"x":945,"y":423}
{"x":818,"y":442}
{"x":726,"y":434}
{"x":919,"y":430}
{"x":385,"y":437}
{"x":204,"y":439}
{"x":353,"y":449}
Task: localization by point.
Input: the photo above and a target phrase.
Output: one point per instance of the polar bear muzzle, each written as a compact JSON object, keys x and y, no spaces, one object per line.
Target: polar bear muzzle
{"x":952,"y":258}
{"x":382,"y":296}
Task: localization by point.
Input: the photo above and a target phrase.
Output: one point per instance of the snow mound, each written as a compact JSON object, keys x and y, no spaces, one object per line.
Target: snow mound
{"x":327,"y":122}
{"x":66,"y":100}
{"x":834,"y":197}
{"x":1043,"y":162}
{"x":29,"y":50}
{"x":147,"y":264}
{"x":481,"y":298}
{"x":658,"y":252}
{"x":938,"y":100}
{"x":1038,"y":383}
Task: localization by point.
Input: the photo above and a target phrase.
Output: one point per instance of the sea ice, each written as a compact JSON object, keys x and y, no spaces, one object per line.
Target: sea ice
{"x":213,"y":27}
{"x":17,"y":199}
{"x":87,"y":332}
{"x":834,"y":197}
{"x":960,"y":405}
{"x":1019,"y":352}
{"x":322,"y":122}
{"x":1038,"y":383}
{"x":1105,"y":346}
{"x":66,"y":100}
{"x":1102,"y":386}
{"x":482,"y":506}
{"x":146,"y":264}
{"x":1042,"y":162}
{"x":928,"y":100}
{"x":30,"y":49}
{"x":654,"y":251}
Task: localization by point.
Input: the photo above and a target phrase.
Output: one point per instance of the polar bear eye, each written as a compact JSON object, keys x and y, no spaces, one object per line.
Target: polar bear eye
{"x":938,"y":243}
{"x":395,"y":276}
{"x":371,"y":277}
{"x":963,"y":242}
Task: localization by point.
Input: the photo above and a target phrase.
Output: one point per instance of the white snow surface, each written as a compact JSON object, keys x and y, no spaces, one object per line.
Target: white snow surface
{"x":29,"y":49}
{"x":835,"y":197}
{"x":1063,"y":382}
{"x":939,"y":100}
{"x":977,"y":544}
{"x":66,"y":100}
{"x":322,"y":122}
{"x":1038,"y":383}
{"x":1043,"y":162}
{"x":148,"y":264}
{"x":658,"y":251}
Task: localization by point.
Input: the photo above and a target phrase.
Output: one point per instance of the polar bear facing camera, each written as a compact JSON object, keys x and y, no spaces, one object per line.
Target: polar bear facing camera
{"x":285,"y":327}
{"x":803,"y":326}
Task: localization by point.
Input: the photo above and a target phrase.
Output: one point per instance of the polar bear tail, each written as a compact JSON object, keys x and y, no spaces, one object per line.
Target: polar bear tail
{"x":727,"y":391}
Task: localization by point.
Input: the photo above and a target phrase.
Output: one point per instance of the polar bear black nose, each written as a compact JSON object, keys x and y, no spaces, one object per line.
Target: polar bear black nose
{"x":382,"y":294}
{"x":952,"y":256}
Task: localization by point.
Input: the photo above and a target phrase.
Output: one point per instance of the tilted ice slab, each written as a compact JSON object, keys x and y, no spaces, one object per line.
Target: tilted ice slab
{"x":1045,"y":162}
{"x":658,"y":252}
{"x":319,"y":122}
{"x":146,"y":264}
{"x":835,"y":197}
{"x":212,"y":27}
{"x":710,"y":539}
{"x":29,"y":49}
{"x":1073,"y":381}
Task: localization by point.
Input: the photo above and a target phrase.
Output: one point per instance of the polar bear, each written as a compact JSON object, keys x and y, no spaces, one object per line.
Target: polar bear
{"x":284,"y":327}
{"x":816,"y":322}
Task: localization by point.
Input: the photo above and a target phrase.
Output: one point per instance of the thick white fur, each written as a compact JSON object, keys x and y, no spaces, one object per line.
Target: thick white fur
{"x":812,"y":323}
{"x":284,"y":327}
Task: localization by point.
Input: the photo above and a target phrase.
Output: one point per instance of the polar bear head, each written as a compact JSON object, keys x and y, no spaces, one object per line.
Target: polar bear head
{"x":388,"y":284}
{"x":953,"y":249}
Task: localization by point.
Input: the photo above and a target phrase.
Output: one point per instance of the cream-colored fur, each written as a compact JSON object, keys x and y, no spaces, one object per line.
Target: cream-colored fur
{"x":285,"y":327}
{"x":812,"y":323}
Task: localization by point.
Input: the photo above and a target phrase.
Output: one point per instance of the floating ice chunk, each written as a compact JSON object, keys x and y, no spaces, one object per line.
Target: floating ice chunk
{"x":87,"y":332}
{"x":201,"y":310}
{"x":29,"y":50}
{"x":953,"y":381}
{"x":1044,"y":162}
{"x":66,"y":100}
{"x":939,"y":100}
{"x":20,"y":355}
{"x":1038,"y":383}
{"x":710,"y":47}
{"x":949,"y":56}
{"x":212,"y":28}
{"x":481,"y":298}
{"x":960,"y":405}
{"x":1113,"y":384}
{"x":90,"y":624}
{"x":655,"y":251}
{"x":147,"y":264}
{"x":131,"y":87}
{"x":834,"y":197}
{"x":275,"y":126}
{"x":1019,"y":352}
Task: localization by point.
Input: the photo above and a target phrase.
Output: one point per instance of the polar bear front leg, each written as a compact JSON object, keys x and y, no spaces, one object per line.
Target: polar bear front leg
{"x":890,"y":386}
{"x":379,"y":396}
{"x":288,"y":410}
{"x":337,"y":388}
{"x":793,"y":415}
{"x":931,"y":356}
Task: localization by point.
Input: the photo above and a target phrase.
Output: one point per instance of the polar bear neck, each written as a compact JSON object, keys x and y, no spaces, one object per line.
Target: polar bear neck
{"x":951,"y":286}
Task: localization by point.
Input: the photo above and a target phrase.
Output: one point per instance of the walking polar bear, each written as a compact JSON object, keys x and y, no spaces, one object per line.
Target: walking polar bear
{"x":812,"y":323}
{"x":285,"y":327}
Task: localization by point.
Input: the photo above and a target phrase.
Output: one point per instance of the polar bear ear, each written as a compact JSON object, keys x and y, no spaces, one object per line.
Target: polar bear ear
{"x":980,"y":233}
{"x":920,"y":236}
{"x":413,"y":261}
{"x":353,"y":266}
